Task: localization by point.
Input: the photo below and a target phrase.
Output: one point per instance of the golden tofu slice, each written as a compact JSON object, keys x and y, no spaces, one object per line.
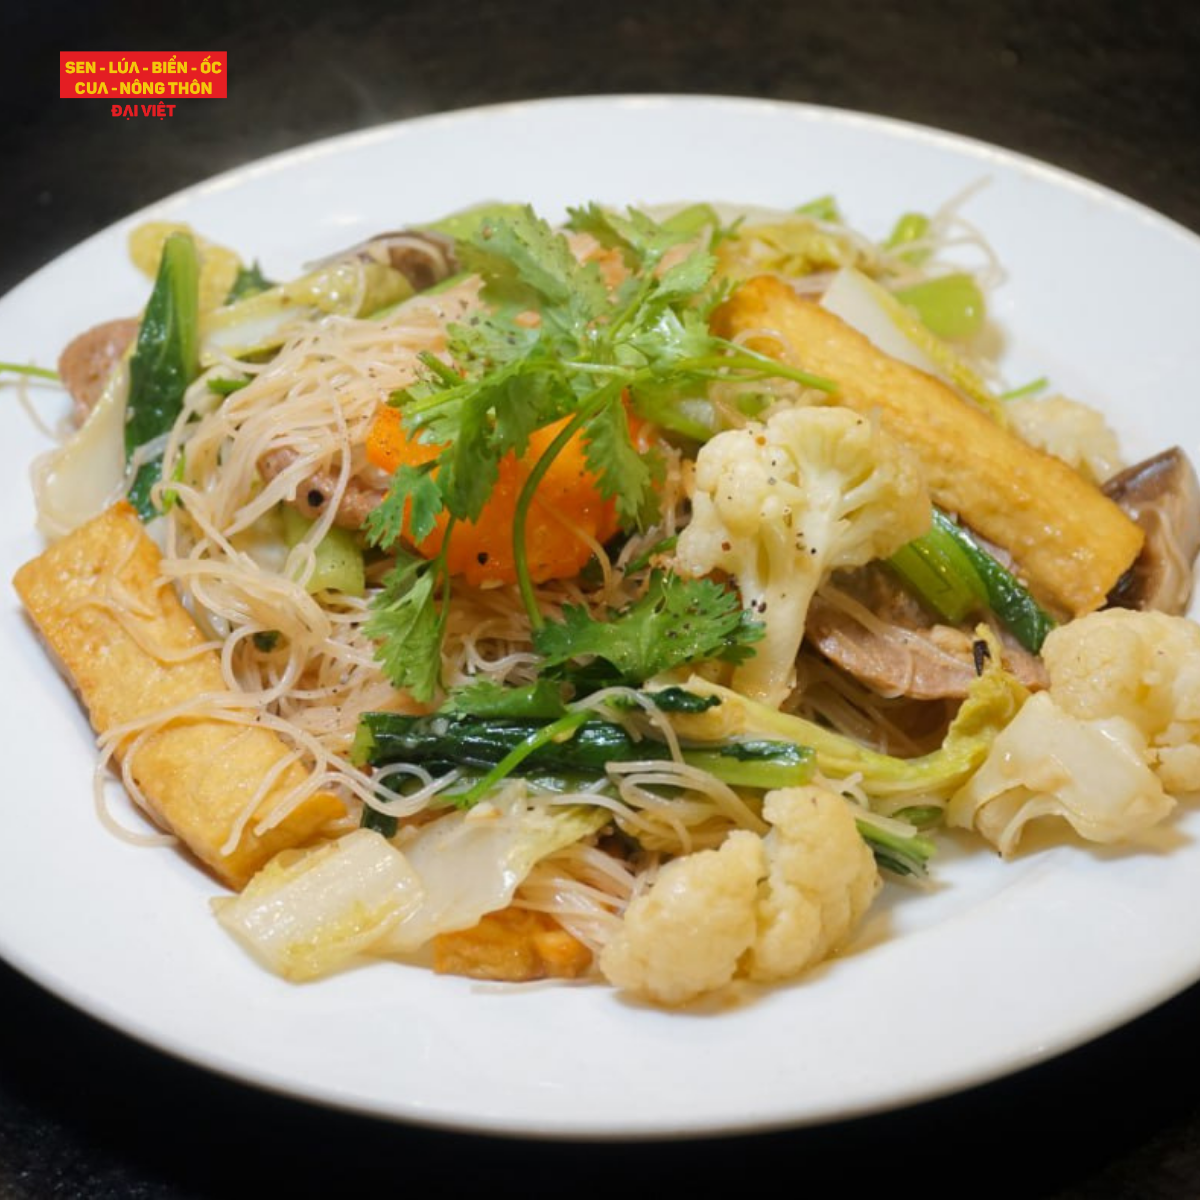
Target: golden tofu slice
{"x":132,"y":650}
{"x":515,"y":945}
{"x":1069,"y":540}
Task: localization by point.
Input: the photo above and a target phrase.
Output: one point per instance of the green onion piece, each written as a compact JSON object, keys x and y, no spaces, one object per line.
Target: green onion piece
{"x":900,"y":854}
{"x":822,"y":208}
{"x":911,"y":227}
{"x":226,"y":387}
{"x":950,"y":306}
{"x":31,"y":371}
{"x":1007,"y":596}
{"x":941,"y":573}
{"x":1026,"y":389}
{"x":922,"y":816}
{"x":248,"y":282}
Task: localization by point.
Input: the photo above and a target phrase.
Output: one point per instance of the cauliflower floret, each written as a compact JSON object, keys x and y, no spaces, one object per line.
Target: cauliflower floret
{"x":821,"y":879}
{"x":1069,"y":430}
{"x":1143,"y":666}
{"x":685,"y":935}
{"x":761,"y":908}
{"x":780,"y":505}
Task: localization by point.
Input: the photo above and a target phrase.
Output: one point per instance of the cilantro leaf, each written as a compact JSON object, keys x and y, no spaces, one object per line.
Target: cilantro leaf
{"x":249,"y":281}
{"x":558,"y":343}
{"x":677,"y":621}
{"x":491,"y":340}
{"x":413,"y":499}
{"x":641,"y":240}
{"x":408,"y":627}
{"x":623,"y":473}
{"x":524,"y":261}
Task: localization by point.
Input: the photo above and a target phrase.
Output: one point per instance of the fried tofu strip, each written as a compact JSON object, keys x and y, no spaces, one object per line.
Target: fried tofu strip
{"x":131,"y":650}
{"x":1070,"y":541}
{"x":515,"y":945}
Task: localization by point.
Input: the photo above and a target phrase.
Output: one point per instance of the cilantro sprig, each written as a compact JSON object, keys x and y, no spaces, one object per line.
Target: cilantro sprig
{"x":555,"y":342}
{"x":408,"y":624}
{"x":676,"y":622}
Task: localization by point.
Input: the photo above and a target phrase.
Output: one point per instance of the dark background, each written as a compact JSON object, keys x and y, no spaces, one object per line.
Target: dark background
{"x":1107,"y":89}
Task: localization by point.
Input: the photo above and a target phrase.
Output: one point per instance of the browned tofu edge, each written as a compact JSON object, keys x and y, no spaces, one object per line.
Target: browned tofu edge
{"x":198,"y":773}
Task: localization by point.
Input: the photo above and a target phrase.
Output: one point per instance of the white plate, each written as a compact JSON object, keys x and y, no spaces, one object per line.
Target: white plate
{"x":1003,"y":965}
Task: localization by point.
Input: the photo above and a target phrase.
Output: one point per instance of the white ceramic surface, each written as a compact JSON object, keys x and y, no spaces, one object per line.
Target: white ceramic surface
{"x":999,"y":967}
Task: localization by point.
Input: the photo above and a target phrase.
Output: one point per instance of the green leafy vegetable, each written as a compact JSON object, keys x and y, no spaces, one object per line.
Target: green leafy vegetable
{"x":576,"y":743}
{"x":257,"y":323}
{"x":668,"y":699}
{"x":1006,"y":595}
{"x":248,"y":282}
{"x":414,"y":495}
{"x":486,"y":698}
{"x":164,"y":362}
{"x":407,"y":625}
{"x":900,"y":853}
{"x":678,"y":621}
{"x":948,"y":569}
{"x":382,"y":823}
{"x":937,"y":568}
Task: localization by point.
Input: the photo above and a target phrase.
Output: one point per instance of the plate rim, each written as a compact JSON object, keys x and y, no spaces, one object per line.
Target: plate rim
{"x":900,"y":126}
{"x":284,"y":160}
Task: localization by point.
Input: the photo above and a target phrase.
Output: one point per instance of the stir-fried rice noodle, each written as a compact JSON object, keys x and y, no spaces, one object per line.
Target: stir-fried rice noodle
{"x":584,"y":888}
{"x":300,"y":665}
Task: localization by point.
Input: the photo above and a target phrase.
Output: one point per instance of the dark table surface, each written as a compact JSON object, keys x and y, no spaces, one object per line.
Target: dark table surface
{"x":1108,"y":89}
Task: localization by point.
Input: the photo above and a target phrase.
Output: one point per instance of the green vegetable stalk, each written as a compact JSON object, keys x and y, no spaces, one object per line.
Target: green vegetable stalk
{"x":890,"y":783}
{"x":950,"y":306}
{"x":955,"y":576}
{"x":338,"y":556}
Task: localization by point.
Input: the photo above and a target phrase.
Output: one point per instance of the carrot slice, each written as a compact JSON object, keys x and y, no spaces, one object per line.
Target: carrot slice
{"x":567,"y":519}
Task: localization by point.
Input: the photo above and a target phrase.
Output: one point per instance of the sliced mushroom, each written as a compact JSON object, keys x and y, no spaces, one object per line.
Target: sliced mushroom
{"x":1162,"y":495}
{"x":89,"y":359}
{"x":871,"y":627}
{"x":422,"y":257}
